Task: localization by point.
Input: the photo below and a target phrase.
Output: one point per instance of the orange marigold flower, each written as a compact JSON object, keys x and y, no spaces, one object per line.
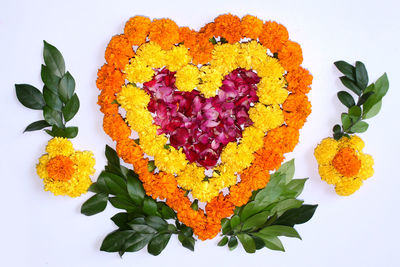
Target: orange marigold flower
{"x":164,"y":32}
{"x":60,"y":168}
{"x":290,"y":55}
{"x":282,"y":139}
{"x":109,"y":79}
{"x":273,"y":36}
{"x":251,"y":27}
{"x":299,"y":80}
{"x":136,"y":29}
{"x":116,"y":127}
{"x":296,"y":110}
{"x":208,"y":30}
{"x":346,"y":162}
{"x":218,"y":207}
{"x":227,"y":26}
{"x":201,"y":51}
{"x":269,"y":159}
{"x":119,"y":51}
{"x":187,"y":36}
{"x":255,"y":176}
{"x":239,"y":194}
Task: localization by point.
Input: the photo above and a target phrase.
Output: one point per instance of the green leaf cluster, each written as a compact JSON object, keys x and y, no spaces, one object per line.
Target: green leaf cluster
{"x":144,"y":221}
{"x":272,"y":212}
{"x":369,"y":98}
{"x":57,"y":100}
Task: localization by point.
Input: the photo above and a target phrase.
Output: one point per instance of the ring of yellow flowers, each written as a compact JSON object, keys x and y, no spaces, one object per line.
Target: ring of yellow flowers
{"x":266,"y":115}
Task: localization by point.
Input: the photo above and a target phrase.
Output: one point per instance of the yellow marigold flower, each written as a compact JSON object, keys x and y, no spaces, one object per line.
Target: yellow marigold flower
{"x":266,"y":117}
{"x":211,"y":81}
{"x":252,"y":138}
{"x":190,"y":176}
{"x":224,"y":57}
{"x":177,"y":57}
{"x":172,"y":161}
{"x":205,"y":191}
{"x":139,"y":119}
{"x":132,"y":97}
{"x":223,"y":179}
{"x":236,"y":158}
{"x":65,"y":171}
{"x":251,"y":55}
{"x":151,"y":55}
{"x":271,"y":90}
{"x":270,"y":67}
{"x":187,"y":78}
{"x":343,"y":164}
{"x":138,"y":71}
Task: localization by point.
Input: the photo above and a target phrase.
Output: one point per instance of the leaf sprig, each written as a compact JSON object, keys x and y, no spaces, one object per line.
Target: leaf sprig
{"x":369,"y":98}
{"x":271,"y":212}
{"x":57,"y":100}
{"x":144,"y":221}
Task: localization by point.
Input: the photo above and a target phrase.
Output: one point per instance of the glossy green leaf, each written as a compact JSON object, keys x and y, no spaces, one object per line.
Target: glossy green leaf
{"x":346,"y":69}
{"x":380,"y":89}
{"x":137,"y":241}
{"x":50,"y":79}
{"x":66,"y":87}
{"x":247,"y":242}
{"x":112,"y":156}
{"x":52,"y":100}
{"x":30,"y":96}
{"x":271,"y":242}
{"x":337,"y":128}
{"x":115,"y":183}
{"x":156,"y":222}
{"x":142,"y":228}
{"x":120,"y":219}
{"x":37,"y":125}
{"x":121,"y":203}
{"x":297,"y":185}
{"x":364,"y":98}
{"x":355,"y":113}
{"x":297,"y":216}
{"x":361,"y":75}
{"x":373,"y":111}
{"x":68,"y":132}
{"x":346,"y":99}
{"x":359,"y":127}
{"x":351,"y":85}
{"x":285,"y":205}
{"x":346,"y":121}
{"x":232,"y":243}
{"x":287,"y":170}
{"x":135,"y":190}
{"x":158,"y":244}
{"x":223,"y":241}
{"x":235,"y":221}
{"x":258,"y":242}
{"x":150,"y":206}
{"x":225,"y":226}
{"x":280,"y":230}
{"x":53,"y":59}
{"x":189,"y":243}
{"x":94,"y":205}
{"x":256,"y":220}
{"x":71,"y":108}
{"x":167,"y":212}
{"x":115,"y":241}
{"x":53,"y":117}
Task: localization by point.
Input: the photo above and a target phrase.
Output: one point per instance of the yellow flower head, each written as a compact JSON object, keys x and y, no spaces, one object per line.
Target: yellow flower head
{"x":343,"y":164}
{"x":187,"y":78}
{"x":177,"y":57}
{"x":65,"y":171}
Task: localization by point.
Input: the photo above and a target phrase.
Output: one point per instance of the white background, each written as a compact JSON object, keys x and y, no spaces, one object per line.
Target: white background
{"x":39,"y":229}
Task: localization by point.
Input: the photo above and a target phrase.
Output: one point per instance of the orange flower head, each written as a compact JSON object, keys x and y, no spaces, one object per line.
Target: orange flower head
{"x":137,"y":29}
{"x":299,"y":80}
{"x":290,"y":55}
{"x":273,"y":36}
{"x":346,"y":162}
{"x":251,"y":27}
{"x":296,"y":110}
{"x":119,"y":51}
{"x":60,"y":168}
{"x":227,"y":26}
{"x":164,"y":32}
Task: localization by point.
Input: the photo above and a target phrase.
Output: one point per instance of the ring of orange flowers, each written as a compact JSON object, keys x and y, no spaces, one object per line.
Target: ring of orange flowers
{"x":165,"y":32}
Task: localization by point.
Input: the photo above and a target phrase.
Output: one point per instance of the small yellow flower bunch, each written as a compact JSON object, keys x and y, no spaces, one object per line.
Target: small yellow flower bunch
{"x":64,"y":171}
{"x":341,"y":161}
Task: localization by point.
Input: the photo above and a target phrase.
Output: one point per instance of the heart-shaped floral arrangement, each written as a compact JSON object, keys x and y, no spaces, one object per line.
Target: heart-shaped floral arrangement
{"x":216,"y":109}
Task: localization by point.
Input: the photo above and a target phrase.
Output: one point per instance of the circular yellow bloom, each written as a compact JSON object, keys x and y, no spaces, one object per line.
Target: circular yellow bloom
{"x":138,"y":72}
{"x":252,"y":138}
{"x":187,"y":78}
{"x":151,"y":55}
{"x":65,"y":171}
{"x":211,"y":81}
{"x":251,"y":55}
{"x":343,"y":164}
{"x":224,"y":57}
{"x":271,"y":90}
{"x":266,"y":117}
{"x":133,"y":97}
{"x":177,"y":57}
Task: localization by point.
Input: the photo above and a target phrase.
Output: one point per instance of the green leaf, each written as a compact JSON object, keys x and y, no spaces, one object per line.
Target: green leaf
{"x":223,"y":241}
{"x":373,"y":111}
{"x":256,"y":220}
{"x":167,"y":212}
{"x":195,"y":205}
{"x":120,"y":219}
{"x":30,"y":96}
{"x":285,"y":205}
{"x":346,"y":69}
{"x":49,"y":79}
{"x":258,"y":242}
{"x":212,"y":40}
{"x":156,"y":222}
{"x":142,"y":228}
{"x":69,"y":132}
{"x":112,"y":156}
{"x":151,"y":166}
{"x":158,"y":244}
{"x":37,"y":125}
{"x":271,"y":242}
{"x":355,"y":113}
{"x":225,"y":226}
{"x":135,"y":190}
{"x":287,"y":169}
{"x":346,"y":99}
{"x":52,"y":99}
{"x":280,"y":230}
{"x":66,"y":87}
{"x":115,"y":241}
{"x":380,"y":89}
{"x":71,"y":108}
{"x":53,"y":59}
{"x":150,"y":206}
{"x":346,"y":121}
{"x":235,"y":221}
{"x":232,"y":243}
{"x":361,"y":75}
{"x":297,"y":216}
{"x":337,"y":136}
{"x":297,"y":185}
{"x":53,"y":117}
{"x":359,"y":127}
{"x":351,"y":85}
{"x":188,"y":242}
{"x":137,"y":241}
{"x":121,"y":203}
{"x":94,"y":205}
{"x":247,"y":242}
{"x":115,"y":183}
{"x":337,"y":128}
{"x":101,"y":183}
{"x":364,"y":98}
